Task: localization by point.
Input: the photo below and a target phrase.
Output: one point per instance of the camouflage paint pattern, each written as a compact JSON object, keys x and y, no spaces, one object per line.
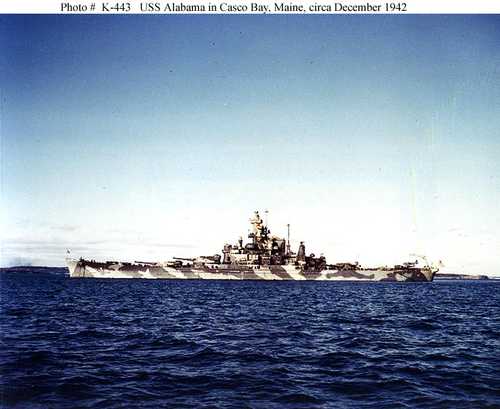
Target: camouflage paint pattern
{"x":265,"y":257}
{"x":93,"y":269}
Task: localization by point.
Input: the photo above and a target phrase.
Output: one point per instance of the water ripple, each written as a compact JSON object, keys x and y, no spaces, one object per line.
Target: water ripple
{"x":184,"y":344}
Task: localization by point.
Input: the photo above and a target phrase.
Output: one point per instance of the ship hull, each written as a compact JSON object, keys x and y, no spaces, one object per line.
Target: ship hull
{"x":93,"y":269}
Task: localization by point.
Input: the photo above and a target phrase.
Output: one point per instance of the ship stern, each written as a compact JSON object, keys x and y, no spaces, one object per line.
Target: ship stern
{"x":429,"y":273}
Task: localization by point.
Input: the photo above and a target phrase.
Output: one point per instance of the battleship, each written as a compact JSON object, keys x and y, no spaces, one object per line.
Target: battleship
{"x":263,"y":257}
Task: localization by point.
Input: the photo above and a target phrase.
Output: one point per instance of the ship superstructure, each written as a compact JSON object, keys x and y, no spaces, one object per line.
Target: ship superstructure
{"x":263,"y":257}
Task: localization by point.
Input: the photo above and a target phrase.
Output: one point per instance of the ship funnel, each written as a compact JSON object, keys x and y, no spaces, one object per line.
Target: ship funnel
{"x":301,"y":254}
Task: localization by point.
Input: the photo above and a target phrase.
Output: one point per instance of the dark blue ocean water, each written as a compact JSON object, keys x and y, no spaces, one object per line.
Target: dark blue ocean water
{"x":69,"y":343}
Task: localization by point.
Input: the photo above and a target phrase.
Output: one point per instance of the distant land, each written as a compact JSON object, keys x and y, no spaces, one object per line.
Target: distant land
{"x":35,"y":269}
{"x":450,"y":276}
{"x":64,"y":271}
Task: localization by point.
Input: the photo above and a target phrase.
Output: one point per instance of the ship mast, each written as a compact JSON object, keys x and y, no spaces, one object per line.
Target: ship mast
{"x":288,"y":239}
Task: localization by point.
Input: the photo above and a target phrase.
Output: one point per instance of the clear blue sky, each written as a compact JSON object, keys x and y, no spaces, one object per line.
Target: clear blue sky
{"x":153,"y":136}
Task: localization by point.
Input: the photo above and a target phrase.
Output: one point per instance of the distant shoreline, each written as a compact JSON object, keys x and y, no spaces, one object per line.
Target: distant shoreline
{"x":34,"y":269}
{"x":451,"y":276}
